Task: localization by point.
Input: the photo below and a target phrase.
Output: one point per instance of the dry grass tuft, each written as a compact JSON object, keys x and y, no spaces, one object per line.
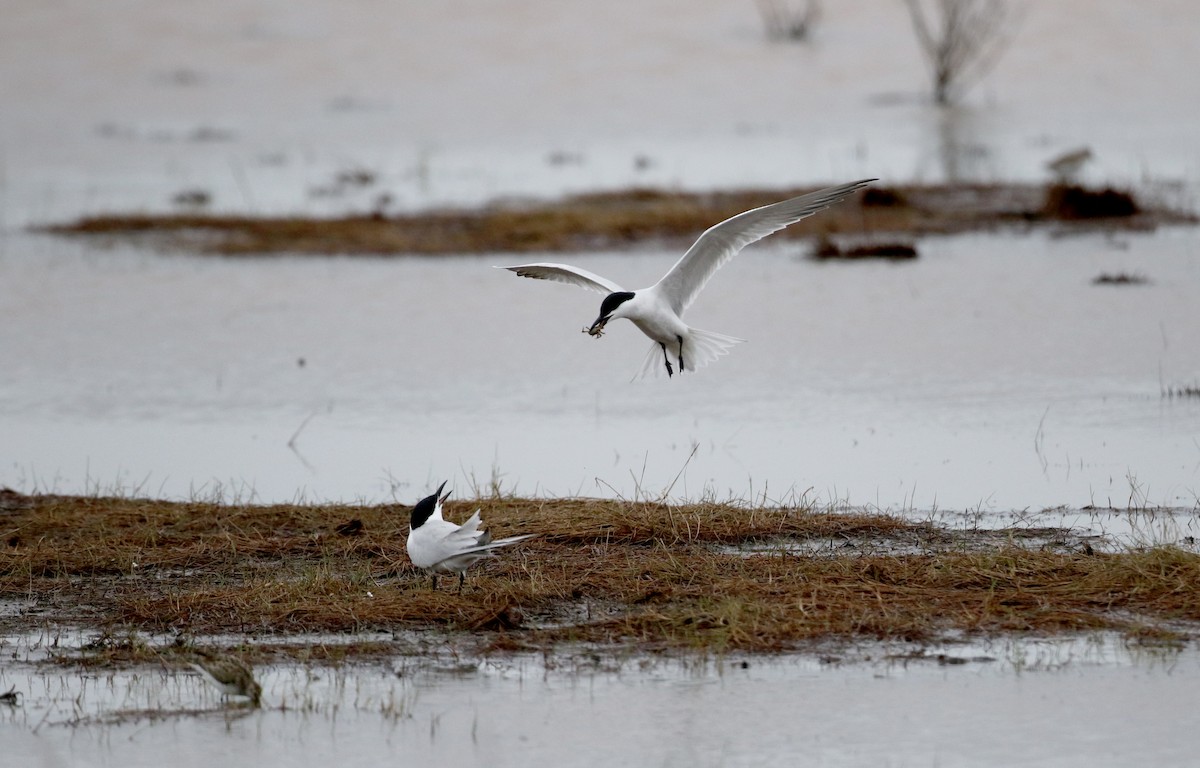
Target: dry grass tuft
{"x":1072,"y":203}
{"x":605,"y":572}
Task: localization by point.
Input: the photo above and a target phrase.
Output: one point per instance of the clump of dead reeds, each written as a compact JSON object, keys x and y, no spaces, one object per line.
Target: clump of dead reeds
{"x":1182,"y":390}
{"x":652,"y":575}
{"x":1119,"y":278}
{"x":825,"y":248}
{"x":1073,"y":202}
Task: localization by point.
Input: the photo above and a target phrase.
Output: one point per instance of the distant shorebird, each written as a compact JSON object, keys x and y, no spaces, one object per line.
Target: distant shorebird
{"x":230,"y":674}
{"x":658,"y":310}
{"x":439,"y":546}
{"x":1066,"y":166}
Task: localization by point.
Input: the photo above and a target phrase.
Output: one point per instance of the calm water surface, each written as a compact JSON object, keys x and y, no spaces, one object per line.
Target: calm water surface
{"x":990,"y":373}
{"x":1087,"y":703}
{"x":988,"y":378}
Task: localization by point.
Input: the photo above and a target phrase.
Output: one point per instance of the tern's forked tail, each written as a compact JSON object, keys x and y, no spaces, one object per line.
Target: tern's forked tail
{"x":699,"y":349}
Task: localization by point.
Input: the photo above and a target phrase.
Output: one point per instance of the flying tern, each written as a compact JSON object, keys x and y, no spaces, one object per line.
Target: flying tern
{"x":658,"y":310}
{"x":439,"y":546}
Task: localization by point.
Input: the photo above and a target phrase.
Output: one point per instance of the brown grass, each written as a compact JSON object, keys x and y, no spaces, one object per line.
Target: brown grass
{"x":608,"y":220}
{"x":610,"y":573}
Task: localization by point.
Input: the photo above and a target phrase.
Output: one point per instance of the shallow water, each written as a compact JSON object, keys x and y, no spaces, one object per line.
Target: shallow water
{"x":974,"y":386}
{"x":990,"y":374}
{"x":125,"y":104}
{"x":1063,"y":702}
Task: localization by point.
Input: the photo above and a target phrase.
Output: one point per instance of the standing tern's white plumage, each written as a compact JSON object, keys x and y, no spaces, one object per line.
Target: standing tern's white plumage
{"x":440,"y":546}
{"x":658,"y":310}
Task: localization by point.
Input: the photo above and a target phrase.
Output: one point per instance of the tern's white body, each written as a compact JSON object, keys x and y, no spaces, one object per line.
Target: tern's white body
{"x":658,"y":310}
{"x":651,"y":312}
{"x":439,"y":546}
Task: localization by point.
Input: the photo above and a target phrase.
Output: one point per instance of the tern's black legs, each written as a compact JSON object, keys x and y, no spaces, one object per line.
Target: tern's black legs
{"x":462,"y":578}
{"x":667,"y":359}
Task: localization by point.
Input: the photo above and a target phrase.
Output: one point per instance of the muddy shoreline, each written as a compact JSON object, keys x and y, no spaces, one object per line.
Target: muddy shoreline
{"x":622,"y":219}
{"x":610,"y":575}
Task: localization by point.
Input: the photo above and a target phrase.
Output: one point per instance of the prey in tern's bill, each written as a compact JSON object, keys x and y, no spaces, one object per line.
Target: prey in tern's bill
{"x":439,"y":546}
{"x":658,"y":310}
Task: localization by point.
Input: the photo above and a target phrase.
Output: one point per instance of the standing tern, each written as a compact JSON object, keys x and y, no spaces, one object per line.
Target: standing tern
{"x":439,"y":546}
{"x":658,"y":310}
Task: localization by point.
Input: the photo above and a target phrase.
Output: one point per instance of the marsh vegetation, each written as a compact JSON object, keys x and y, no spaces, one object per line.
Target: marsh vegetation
{"x":708,"y":577}
{"x":623,"y":219}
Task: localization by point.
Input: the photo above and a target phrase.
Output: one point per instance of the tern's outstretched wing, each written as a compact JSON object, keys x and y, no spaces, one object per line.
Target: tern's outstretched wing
{"x":565,"y":273}
{"x":721,"y":242}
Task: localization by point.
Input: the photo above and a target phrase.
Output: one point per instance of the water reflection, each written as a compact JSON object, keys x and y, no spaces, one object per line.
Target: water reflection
{"x":957,"y":147}
{"x":973,"y":704}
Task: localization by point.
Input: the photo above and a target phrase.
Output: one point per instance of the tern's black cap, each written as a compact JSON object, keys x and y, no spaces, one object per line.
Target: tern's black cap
{"x":424,"y":508}
{"x":614,"y":300}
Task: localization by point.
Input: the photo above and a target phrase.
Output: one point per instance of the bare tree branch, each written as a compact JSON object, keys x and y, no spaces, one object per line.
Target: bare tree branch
{"x":783,"y":22}
{"x":961,"y":39}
